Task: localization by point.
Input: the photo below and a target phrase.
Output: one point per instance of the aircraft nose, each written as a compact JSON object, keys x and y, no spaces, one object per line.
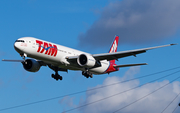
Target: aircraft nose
{"x":18,"y":47}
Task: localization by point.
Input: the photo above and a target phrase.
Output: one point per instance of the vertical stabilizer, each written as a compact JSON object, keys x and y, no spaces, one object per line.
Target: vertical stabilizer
{"x":114,"y":45}
{"x":113,"y":49}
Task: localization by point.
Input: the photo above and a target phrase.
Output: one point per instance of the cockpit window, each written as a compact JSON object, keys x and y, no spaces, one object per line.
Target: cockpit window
{"x":19,"y":41}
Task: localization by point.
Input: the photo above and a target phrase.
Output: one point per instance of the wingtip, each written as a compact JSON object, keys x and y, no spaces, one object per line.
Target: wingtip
{"x":173,"y":44}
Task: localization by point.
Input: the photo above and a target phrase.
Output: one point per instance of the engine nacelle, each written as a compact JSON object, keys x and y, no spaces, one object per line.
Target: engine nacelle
{"x":31,"y":65}
{"x":87,"y":61}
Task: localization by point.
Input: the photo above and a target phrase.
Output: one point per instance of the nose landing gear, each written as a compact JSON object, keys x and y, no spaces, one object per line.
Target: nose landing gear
{"x":24,"y":55}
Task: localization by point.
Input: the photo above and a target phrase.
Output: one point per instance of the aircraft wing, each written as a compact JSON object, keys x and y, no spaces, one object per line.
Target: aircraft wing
{"x":22,"y":61}
{"x":121,"y":54}
{"x":117,"y":55}
{"x":13,"y":60}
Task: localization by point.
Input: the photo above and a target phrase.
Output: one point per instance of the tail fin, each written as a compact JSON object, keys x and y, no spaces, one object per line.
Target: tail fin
{"x":114,"y":45}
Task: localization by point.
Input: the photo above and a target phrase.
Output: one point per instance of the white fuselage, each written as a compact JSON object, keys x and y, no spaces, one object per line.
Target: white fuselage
{"x":39,"y":49}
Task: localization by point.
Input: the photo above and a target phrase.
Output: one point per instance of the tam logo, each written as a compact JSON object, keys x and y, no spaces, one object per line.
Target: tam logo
{"x":47,"y":47}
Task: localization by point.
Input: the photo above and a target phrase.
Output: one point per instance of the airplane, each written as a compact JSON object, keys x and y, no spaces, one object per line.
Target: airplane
{"x":61,"y":58}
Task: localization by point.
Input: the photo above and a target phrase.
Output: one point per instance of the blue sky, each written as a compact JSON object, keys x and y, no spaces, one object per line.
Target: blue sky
{"x":89,"y":26}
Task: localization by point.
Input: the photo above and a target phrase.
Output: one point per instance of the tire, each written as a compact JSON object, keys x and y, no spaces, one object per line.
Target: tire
{"x":83,"y":73}
{"x":52,"y":75}
{"x":60,"y":77}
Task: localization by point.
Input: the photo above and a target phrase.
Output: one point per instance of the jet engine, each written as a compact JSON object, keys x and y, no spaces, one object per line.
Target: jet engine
{"x":88,"y":61}
{"x":31,"y":65}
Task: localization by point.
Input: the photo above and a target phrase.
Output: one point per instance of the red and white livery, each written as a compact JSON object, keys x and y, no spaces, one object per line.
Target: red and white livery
{"x":61,"y":58}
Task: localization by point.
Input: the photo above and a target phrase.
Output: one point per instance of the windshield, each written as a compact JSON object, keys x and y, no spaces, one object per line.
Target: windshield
{"x":19,"y":41}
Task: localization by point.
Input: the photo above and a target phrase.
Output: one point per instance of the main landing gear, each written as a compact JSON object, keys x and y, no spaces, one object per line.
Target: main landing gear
{"x":56,"y":76}
{"x":87,"y":74}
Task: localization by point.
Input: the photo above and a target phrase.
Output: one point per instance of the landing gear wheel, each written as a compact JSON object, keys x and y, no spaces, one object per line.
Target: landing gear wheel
{"x":52,"y":75}
{"x":56,"y":76}
{"x":56,"y":79}
{"x":83,"y":72}
{"x":87,"y":74}
{"x":60,"y":77}
{"x":90,"y":75}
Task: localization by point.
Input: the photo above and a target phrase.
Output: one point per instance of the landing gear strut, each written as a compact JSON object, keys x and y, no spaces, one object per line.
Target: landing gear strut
{"x":56,"y":69}
{"x":24,"y":55}
{"x":87,"y":74}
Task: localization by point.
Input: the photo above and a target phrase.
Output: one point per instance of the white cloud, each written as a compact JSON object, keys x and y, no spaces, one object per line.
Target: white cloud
{"x":135,"y":21}
{"x":154,"y":103}
{"x":131,"y":72}
{"x":67,"y":102}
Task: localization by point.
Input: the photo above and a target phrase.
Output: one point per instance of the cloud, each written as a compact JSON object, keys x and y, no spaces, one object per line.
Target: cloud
{"x":135,"y":21}
{"x":67,"y":102}
{"x":131,"y":72}
{"x":154,"y":103}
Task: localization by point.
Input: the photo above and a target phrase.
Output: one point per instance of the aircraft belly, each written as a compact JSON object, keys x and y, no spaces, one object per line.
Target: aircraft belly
{"x":100,"y":70}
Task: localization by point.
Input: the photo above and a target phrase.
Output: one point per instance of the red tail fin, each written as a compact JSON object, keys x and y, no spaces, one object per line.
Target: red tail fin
{"x":114,"y":47}
{"x":112,"y":50}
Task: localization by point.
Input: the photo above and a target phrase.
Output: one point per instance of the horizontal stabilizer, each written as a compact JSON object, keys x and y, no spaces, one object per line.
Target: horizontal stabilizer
{"x":13,"y":60}
{"x":128,"y":65}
